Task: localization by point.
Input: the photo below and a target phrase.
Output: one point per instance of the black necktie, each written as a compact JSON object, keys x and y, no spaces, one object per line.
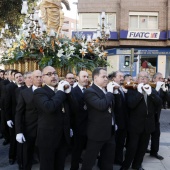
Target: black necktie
{"x":55,"y":90}
{"x":83,"y":89}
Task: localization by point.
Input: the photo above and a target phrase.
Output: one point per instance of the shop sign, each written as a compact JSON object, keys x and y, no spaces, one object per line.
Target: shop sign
{"x":143,"y":35}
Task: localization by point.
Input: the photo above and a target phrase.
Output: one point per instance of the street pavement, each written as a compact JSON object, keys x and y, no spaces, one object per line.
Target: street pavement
{"x":149,"y":163}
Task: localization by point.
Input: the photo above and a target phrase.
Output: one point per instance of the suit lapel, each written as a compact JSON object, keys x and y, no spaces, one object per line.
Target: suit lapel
{"x":50,"y":91}
{"x":100,"y":93}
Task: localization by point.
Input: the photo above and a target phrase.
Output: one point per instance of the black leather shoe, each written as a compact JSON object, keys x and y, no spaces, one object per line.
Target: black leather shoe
{"x":5,"y":142}
{"x":138,"y":168}
{"x":148,"y":151}
{"x":20,"y":167}
{"x":122,"y":168}
{"x":157,"y":156}
{"x":118,"y":163}
{"x":11,"y":161}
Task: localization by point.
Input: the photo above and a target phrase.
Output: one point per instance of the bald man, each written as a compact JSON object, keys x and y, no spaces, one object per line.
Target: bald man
{"x":53,"y":135}
{"x":26,"y":121}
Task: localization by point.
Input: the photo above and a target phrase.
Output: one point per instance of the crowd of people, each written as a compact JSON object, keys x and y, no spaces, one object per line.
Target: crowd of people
{"x":47,"y":118}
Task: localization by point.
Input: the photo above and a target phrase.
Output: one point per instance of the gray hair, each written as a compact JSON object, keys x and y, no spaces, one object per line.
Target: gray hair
{"x":26,"y":74}
{"x":156,"y":74}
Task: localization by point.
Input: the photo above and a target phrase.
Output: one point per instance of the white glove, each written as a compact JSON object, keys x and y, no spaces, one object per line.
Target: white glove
{"x":75,"y":84}
{"x":10,"y":123}
{"x":115,"y":91}
{"x":140,"y":87}
{"x":20,"y":138}
{"x":124,"y":90}
{"x":163,"y":87}
{"x":114,"y":83}
{"x":71,"y":132}
{"x":110,"y":87}
{"x":61,"y":85}
{"x":147,"y":88}
{"x":158,"y":85}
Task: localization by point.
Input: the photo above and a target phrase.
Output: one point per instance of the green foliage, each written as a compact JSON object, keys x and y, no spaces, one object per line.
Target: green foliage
{"x":58,"y":52}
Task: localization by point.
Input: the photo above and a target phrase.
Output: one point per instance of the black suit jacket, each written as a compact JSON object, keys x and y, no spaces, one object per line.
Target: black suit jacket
{"x":26,"y":114}
{"x":3,"y":83}
{"x":52,"y":122}
{"x":121,"y":112}
{"x":99,"y":118}
{"x":142,"y":116}
{"x":10,"y":101}
{"x":79,"y":114}
{"x":18,"y":90}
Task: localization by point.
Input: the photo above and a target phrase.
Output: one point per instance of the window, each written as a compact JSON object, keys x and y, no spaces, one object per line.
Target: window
{"x":72,"y":25}
{"x":91,"y":21}
{"x":143,"y":20}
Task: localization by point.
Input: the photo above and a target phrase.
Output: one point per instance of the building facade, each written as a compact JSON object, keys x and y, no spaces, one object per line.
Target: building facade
{"x":69,"y":25}
{"x":142,"y":25}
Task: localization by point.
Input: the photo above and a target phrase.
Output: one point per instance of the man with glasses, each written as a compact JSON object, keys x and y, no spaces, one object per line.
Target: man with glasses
{"x":155,"y":136}
{"x":53,"y":134}
{"x":141,"y":121}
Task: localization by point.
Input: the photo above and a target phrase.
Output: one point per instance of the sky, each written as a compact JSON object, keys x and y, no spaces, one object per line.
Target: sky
{"x":73,"y":12}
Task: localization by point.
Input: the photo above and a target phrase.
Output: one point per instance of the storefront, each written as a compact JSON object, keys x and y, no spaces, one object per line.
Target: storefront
{"x":151,"y":60}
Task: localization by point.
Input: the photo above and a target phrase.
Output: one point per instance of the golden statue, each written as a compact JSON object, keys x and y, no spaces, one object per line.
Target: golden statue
{"x":52,"y":14}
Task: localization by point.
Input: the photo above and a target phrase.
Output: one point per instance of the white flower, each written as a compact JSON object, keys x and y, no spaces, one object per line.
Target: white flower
{"x":97,"y":50}
{"x":84,"y":45}
{"x":83,"y":51}
{"x":60,"y":53}
{"x":71,"y":48}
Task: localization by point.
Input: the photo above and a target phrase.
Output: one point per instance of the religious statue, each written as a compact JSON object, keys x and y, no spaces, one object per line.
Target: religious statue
{"x":52,"y":14}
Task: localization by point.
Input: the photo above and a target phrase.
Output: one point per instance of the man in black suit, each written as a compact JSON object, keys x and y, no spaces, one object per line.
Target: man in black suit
{"x":155,"y":136}
{"x":10,"y":109}
{"x":101,"y":123}
{"x":79,"y":119}
{"x":121,"y":117}
{"x":26,"y":119}
{"x":141,"y":121}
{"x":4,"y":126}
{"x":53,"y":134}
{"x":26,"y":84}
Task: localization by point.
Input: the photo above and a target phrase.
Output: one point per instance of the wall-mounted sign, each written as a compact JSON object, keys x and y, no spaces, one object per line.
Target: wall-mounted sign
{"x":143,"y":35}
{"x":154,"y":35}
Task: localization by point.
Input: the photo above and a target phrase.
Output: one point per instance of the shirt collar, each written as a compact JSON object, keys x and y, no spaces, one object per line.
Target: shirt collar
{"x":103,"y":89}
{"x":34,"y":87}
{"x":52,"y":88}
{"x":81,"y":87}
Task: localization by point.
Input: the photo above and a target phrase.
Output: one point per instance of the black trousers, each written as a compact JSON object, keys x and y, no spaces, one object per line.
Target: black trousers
{"x":79,"y":145}
{"x":107,"y":153}
{"x":136,"y":148}
{"x":155,"y":137}
{"x":120,"y":138}
{"x":4,"y":126}
{"x":25,"y":153}
{"x":53,"y":159}
{"x":13,"y":144}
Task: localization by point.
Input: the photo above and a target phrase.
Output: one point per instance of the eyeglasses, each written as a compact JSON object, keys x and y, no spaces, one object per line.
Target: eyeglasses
{"x":49,"y":74}
{"x":143,"y":77}
{"x":70,"y":78}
